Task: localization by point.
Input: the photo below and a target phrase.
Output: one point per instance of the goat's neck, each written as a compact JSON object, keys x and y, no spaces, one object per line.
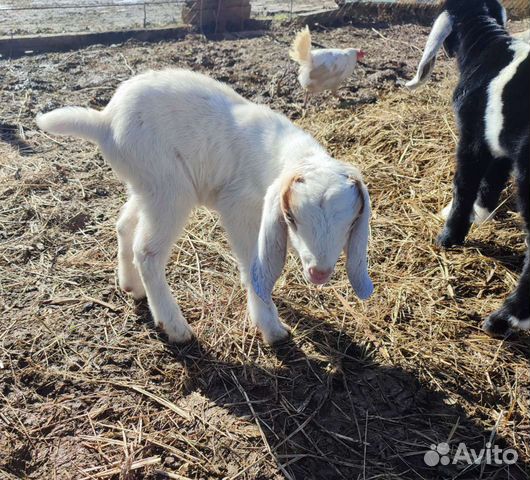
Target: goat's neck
{"x":477,"y":34}
{"x":301,"y":149}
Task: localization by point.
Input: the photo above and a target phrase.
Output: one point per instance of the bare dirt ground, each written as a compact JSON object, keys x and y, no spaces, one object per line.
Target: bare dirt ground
{"x":88,"y":387}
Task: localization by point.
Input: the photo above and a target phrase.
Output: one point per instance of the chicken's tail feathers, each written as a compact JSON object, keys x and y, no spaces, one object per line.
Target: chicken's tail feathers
{"x":75,"y":121}
{"x":301,"y":49}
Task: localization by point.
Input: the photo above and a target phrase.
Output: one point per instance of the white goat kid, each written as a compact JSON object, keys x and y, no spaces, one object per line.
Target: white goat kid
{"x":180,"y":139}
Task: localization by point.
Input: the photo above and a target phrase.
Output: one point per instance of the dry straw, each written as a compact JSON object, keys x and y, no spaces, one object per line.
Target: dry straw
{"x":89,"y":389}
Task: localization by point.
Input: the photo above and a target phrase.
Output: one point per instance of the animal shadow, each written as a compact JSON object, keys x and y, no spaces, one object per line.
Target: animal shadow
{"x":337,"y":413}
{"x":11,"y":134}
{"x":503,"y":254}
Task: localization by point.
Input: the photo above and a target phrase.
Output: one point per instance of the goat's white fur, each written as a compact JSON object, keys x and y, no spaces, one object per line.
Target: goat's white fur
{"x":479,"y":214}
{"x":520,"y":324}
{"x":179,"y":139}
{"x":515,"y":323}
{"x":504,"y":15}
{"x":494,"y":119}
{"x":524,"y":36}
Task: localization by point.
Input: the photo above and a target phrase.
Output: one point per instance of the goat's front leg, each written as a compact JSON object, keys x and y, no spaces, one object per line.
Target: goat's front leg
{"x":265,"y":317}
{"x":242,"y":227}
{"x":161,"y":219}
{"x":470,"y":170}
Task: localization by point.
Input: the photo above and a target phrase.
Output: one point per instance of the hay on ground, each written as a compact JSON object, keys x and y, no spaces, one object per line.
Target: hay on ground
{"x":89,"y":389}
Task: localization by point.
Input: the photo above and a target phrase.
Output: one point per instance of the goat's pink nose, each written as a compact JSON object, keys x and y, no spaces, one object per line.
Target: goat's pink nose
{"x":319,"y":276}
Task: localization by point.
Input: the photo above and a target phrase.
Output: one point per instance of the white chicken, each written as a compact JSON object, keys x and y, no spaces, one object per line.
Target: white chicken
{"x":323,"y":68}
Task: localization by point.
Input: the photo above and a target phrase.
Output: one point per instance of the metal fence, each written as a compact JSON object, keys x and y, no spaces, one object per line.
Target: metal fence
{"x":19,"y":17}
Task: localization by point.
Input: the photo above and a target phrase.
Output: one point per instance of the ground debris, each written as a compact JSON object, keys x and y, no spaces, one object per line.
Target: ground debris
{"x":90,"y":389}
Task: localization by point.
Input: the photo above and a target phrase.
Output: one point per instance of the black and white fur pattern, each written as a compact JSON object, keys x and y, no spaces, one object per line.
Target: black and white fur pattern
{"x":492,"y":105}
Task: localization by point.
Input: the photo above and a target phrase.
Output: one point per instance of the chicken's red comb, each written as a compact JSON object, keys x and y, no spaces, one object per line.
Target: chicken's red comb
{"x":361,"y":54}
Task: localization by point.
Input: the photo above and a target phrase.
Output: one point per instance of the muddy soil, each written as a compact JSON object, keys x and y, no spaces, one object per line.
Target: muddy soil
{"x":258,"y":68}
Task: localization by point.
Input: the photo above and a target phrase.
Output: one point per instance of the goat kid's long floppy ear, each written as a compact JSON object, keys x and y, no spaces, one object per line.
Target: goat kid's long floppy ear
{"x":357,"y":247}
{"x":269,"y":257}
{"x":440,"y":31}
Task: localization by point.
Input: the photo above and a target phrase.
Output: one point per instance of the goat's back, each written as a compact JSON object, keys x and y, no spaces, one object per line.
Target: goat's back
{"x":516,"y":101}
{"x":492,"y":97}
{"x":168,"y":104}
{"x":507,"y":116}
{"x":181,"y":125}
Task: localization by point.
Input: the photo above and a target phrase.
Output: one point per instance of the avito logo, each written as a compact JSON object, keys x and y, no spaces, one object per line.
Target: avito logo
{"x":490,"y":455}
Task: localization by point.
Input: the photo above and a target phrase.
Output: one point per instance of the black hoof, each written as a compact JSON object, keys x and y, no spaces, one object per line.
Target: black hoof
{"x":447,"y":240}
{"x":497,"y":325}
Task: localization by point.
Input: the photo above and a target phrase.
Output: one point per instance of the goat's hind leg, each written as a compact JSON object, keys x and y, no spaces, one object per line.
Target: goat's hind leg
{"x":490,"y":191}
{"x":161,"y":219}
{"x":470,"y":170}
{"x":491,"y":188}
{"x":515,"y":312}
{"x":128,"y":275}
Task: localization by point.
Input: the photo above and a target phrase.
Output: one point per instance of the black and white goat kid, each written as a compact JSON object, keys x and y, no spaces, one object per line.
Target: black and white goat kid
{"x":492,"y":105}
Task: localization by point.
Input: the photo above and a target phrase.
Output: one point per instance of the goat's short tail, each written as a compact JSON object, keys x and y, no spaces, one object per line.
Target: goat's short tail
{"x":301,"y":49}
{"x":75,"y":121}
